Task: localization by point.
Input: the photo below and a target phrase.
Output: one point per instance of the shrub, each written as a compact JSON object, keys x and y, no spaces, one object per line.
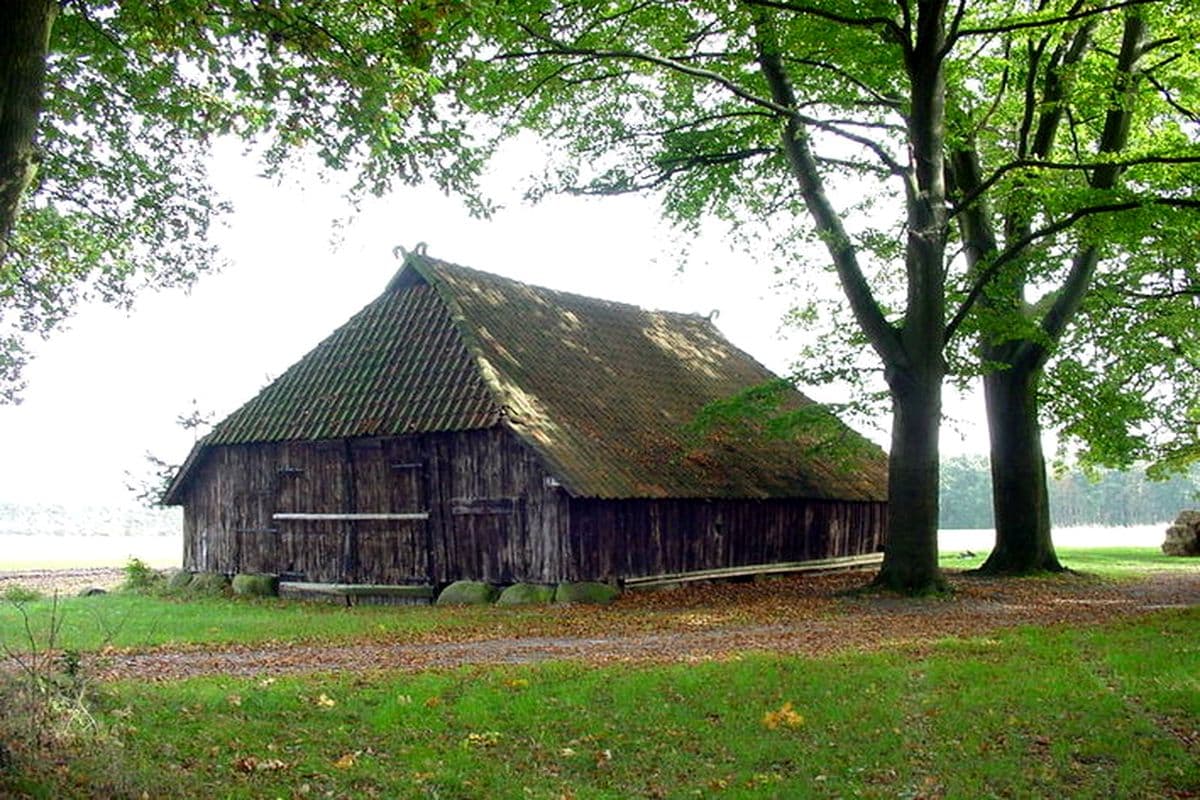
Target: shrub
{"x":141,"y":577}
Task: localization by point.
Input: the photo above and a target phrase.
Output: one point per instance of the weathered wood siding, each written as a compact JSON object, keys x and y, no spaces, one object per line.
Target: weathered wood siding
{"x":491,"y":514}
{"x":628,"y":538}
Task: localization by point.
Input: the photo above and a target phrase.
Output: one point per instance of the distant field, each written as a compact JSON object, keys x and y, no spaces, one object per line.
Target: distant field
{"x":955,"y":541}
{"x":62,"y":552}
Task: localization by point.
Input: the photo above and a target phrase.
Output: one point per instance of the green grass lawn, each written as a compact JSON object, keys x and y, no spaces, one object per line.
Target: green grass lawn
{"x":129,"y":620}
{"x":1063,"y":712}
{"x":132,"y":620}
{"x":1113,"y":562}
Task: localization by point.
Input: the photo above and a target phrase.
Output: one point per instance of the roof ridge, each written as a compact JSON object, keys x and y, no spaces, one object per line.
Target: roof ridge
{"x":437,"y":263}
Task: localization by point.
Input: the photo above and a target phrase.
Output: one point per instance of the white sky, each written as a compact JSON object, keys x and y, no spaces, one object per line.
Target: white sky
{"x":107,"y":390}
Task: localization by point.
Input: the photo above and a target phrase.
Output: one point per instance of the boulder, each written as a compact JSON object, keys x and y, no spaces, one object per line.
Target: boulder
{"x":254,"y":585}
{"x":586,"y":592}
{"x":468,"y":593}
{"x":526,"y":594}
{"x":178,"y":581}
{"x":208,"y":584}
{"x":1183,"y":538}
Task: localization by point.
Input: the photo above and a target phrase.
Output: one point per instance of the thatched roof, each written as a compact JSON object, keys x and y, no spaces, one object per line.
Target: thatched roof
{"x":606,"y":393}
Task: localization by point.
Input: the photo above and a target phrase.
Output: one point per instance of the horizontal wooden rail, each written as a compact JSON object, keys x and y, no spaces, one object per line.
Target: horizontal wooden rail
{"x":840,"y":562}
{"x":335,"y":517}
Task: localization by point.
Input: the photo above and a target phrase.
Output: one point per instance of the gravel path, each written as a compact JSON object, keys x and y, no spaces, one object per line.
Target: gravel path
{"x":825,"y":622}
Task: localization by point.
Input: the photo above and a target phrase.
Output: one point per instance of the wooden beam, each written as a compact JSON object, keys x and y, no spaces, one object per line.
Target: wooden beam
{"x":330,"y":517}
{"x":842,"y":562}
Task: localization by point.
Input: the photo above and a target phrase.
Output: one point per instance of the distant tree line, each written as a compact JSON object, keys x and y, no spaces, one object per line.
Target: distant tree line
{"x":1107,"y":497}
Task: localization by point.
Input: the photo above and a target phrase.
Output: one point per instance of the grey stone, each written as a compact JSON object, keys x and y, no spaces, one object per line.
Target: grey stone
{"x":208,"y":584}
{"x":526,"y":594}
{"x":586,"y":592}
{"x":254,"y":585}
{"x":178,"y":580}
{"x":468,"y":593}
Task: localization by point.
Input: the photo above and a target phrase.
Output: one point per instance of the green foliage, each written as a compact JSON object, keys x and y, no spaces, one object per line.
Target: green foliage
{"x":1032,"y":713}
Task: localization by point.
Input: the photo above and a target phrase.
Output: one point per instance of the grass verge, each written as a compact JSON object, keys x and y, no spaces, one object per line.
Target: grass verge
{"x":1079,"y":712}
{"x":1109,"y":562}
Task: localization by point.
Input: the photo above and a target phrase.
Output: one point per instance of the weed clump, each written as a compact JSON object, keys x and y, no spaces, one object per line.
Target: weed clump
{"x":141,"y":578}
{"x":47,"y":694}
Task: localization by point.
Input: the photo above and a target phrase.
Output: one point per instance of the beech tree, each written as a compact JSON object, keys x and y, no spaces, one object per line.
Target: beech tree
{"x":108,"y":110}
{"x":760,"y":110}
{"x":1072,"y":147}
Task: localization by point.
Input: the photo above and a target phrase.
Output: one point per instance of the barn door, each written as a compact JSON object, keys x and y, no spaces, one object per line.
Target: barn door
{"x":389,"y":531}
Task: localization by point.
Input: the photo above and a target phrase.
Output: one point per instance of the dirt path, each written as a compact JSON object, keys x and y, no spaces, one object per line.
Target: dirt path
{"x":803,"y":617}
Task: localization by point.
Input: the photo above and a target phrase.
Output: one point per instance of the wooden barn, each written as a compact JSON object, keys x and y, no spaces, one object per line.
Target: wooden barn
{"x":464,"y":425}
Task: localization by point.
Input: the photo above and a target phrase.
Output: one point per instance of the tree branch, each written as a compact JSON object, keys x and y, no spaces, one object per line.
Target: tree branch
{"x":560,"y":48}
{"x":1113,"y":139}
{"x":1032,"y":163}
{"x":1016,"y":249}
{"x":669,"y":168}
{"x":826,"y":14}
{"x":882,"y":99}
{"x":882,"y":335}
{"x":1073,"y":16}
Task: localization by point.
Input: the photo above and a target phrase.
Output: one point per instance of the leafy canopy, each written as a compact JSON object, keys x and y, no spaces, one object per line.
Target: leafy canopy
{"x":136,"y":92}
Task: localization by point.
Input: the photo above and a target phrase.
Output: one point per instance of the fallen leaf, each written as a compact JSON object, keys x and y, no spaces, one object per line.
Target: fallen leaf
{"x":786,"y":716}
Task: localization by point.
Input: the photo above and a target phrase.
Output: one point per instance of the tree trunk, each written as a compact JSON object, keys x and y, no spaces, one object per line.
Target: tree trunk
{"x":24,"y":44}
{"x":1019,"y":495}
{"x":910,"y":561}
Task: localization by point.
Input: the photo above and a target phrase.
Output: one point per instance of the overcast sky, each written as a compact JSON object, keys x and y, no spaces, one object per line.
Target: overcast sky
{"x":109,"y":389}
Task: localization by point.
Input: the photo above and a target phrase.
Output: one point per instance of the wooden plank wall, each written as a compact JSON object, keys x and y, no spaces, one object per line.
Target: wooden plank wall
{"x":628,"y":538}
{"x":492,"y":516}
{"x":501,"y":542}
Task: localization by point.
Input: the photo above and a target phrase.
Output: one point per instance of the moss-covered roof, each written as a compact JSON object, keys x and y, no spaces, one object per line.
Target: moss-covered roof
{"x":606,"y":393}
